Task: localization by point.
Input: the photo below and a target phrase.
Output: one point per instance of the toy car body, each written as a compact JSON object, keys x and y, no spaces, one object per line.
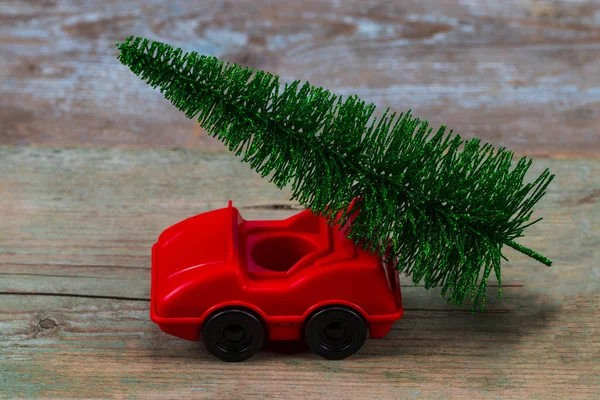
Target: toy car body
{"x":235,"y":283}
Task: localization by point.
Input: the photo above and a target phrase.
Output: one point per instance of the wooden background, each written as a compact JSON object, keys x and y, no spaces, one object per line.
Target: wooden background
{"x":94,"y":164}
{"x":520,"y":74}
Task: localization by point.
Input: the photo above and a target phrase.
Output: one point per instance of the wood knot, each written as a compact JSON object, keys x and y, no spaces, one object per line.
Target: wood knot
{"x":47,"y":323}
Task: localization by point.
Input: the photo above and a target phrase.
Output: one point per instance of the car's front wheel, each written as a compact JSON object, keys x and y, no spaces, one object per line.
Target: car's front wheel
{"x":335,"y":332}
{"x":233,"y":335}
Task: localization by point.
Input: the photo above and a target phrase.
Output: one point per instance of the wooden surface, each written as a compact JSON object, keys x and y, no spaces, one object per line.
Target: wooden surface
{"x":76,"y":227}
{"x":518,"y":73}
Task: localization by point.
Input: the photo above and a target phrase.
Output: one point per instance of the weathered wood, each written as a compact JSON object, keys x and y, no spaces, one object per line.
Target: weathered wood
{"x":519,"y":74}
{"x":90,"y":348}
{"x":76,"y":226}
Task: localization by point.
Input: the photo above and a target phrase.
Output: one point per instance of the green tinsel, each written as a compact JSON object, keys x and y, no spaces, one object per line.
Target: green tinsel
{"x":447,"y":213}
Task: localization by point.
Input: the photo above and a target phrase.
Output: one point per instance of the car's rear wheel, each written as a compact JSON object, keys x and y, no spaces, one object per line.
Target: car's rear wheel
{"x":335,"y":332}
{"x":233,"y":335}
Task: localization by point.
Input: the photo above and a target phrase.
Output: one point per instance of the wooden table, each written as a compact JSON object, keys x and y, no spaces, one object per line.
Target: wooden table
{"x":76,"y":230}
{"x":88,"y":180}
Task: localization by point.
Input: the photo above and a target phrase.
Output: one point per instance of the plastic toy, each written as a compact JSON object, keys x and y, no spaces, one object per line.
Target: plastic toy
{"x":444,"y":206}
{"x":234,"y":283}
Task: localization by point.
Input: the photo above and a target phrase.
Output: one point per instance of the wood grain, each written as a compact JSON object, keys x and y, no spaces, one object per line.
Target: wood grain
{"x":76,"y":226}
{"x":517,"y":73}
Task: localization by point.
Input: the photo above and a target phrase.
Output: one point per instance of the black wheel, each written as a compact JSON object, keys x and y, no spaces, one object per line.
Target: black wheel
{"x":233,"y":335}
{"x":335,"y":332}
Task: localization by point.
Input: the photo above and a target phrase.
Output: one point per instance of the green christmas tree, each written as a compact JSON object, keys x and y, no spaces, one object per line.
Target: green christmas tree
{"x":444,"y":206}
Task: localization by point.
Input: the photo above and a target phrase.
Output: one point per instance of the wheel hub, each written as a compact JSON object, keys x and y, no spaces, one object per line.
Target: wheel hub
{"x":233,"y":333}
{"x":335,"y":331}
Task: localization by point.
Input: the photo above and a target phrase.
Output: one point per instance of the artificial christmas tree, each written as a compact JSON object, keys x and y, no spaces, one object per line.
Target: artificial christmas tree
{"x":441,"y":206}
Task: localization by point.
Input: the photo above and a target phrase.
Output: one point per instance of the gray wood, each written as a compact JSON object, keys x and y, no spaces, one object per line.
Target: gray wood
{"x":76,"y":226}
{"x":520,"y":74}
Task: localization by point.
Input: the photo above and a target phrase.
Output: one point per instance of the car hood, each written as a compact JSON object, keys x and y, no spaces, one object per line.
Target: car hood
{"x":202,"y":239}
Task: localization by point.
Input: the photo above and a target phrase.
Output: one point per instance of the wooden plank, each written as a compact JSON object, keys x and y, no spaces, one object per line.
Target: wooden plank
{"x":76,"y":227}
{"x":90,"y":348}
{"x":519,"y":74}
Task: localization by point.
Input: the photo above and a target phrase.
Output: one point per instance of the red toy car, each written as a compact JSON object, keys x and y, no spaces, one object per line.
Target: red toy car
{"x":236,"y":283}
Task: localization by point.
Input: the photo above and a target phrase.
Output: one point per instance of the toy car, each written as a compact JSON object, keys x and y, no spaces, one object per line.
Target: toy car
{"x":235,"y":283}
